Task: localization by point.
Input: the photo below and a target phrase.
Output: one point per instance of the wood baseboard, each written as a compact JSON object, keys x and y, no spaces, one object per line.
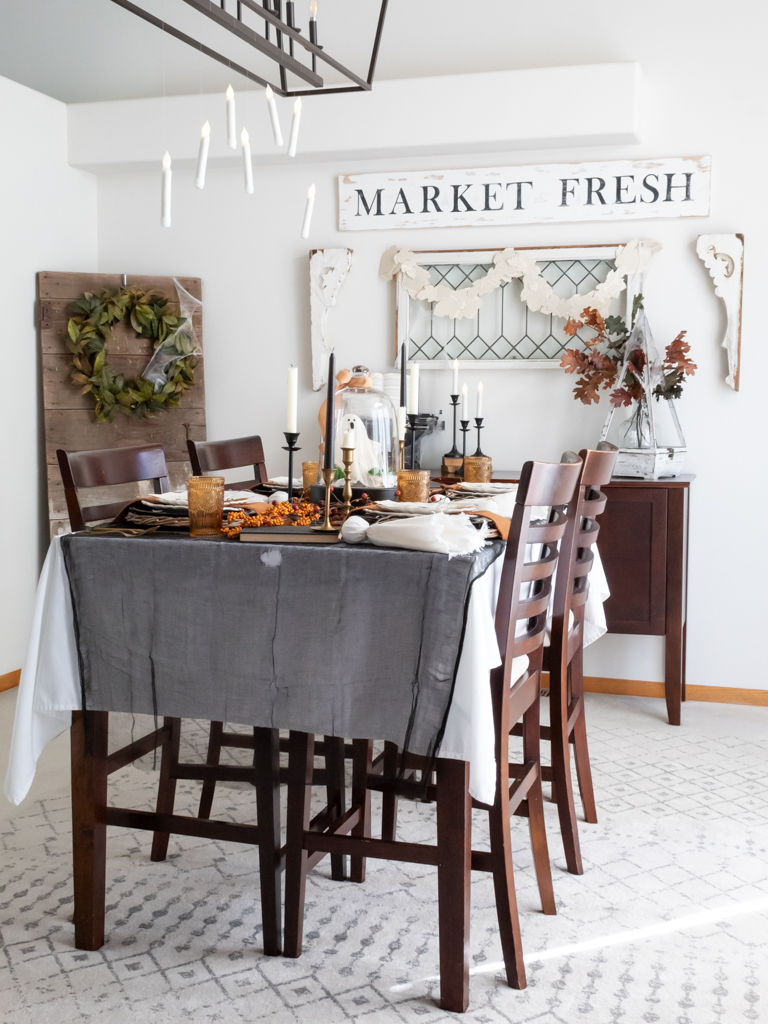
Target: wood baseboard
{"x":10,"y":679}
{"x":643,"y":688}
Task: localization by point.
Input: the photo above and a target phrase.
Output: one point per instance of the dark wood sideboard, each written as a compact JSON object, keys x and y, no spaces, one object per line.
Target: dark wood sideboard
{"x":643,"y":545}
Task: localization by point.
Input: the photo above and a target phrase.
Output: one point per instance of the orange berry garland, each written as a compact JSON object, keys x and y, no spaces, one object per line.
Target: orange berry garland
{"x":302,"y":513}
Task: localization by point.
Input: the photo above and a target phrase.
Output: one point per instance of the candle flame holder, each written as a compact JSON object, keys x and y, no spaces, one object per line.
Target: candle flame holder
{"x":325,"y":526}
{"x":347,"y":457}
{"x":290,"y":447}
{"x":454,"y":453}
{"x":464,"y":431}
{"x":479,"y":426}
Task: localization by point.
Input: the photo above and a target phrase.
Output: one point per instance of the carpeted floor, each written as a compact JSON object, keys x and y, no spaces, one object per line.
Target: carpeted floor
{"x":683,"y":831}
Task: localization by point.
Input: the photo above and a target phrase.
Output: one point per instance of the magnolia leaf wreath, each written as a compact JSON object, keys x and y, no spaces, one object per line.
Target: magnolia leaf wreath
{"x":537,"y":293}
{"x":167,"y":376}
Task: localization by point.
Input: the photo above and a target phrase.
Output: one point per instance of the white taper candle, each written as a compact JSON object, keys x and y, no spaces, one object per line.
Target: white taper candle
{"x":455,"y":388}
{"x":202,"y":155}
{"x":401,"y":423}
{"x":295,"y":120}
{"x":165,"y":194}
{"x":464,"y":415}
{"x":247,"y":167}
{"x":479,"y":410}
{"x":231,"y":122}
{"x":270,"y":96}
{"x":293,"y":397}
{"x":308,"y":211}
{"x":413,"y":393}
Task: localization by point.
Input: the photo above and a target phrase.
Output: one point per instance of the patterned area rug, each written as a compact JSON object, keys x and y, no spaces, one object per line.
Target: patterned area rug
{"x":683,"y":831}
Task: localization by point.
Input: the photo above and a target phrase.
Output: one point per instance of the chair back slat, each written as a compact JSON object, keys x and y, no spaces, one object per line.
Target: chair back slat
{"x":576,"y":557}
{"x":236,"y":453}
{"x":107,"y":467}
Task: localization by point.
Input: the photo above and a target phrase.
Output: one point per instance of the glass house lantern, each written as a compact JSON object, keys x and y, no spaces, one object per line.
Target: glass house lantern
{"x":371,"y":415}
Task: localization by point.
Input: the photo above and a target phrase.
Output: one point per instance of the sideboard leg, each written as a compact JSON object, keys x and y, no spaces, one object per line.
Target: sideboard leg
{"x":674,"y":654}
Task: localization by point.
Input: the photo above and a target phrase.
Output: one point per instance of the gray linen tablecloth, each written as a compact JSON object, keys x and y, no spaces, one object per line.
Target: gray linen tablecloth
{"x":346,"y":641}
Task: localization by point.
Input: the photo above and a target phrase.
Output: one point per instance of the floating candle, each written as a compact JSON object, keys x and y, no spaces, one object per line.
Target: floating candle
{"x":202,"y":155}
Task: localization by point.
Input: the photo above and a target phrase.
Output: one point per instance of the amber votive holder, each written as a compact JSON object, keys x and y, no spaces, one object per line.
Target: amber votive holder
{"x":413,"y":484}
{"x":478,"y":469}
{"x":308,"y":474}
{"x":206,"y":505}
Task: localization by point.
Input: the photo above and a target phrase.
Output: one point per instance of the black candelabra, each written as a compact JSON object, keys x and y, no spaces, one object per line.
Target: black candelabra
{"x":464,"y":431}
{"x":290,"y":447}
{"x":454,"y":453}
{"x":412,"y":418}
{"x":479,"y":426}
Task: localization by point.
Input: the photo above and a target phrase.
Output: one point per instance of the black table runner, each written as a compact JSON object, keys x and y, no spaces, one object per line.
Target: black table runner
{"x":337,"y":640}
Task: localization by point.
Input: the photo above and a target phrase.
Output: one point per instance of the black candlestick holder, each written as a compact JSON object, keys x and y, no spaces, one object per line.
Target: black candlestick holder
{"x":464,"y":431}
{"x":290,"y":447}
{"x":454,"y":453}
{"x":412,"y":419}
{"x":479,"y":426}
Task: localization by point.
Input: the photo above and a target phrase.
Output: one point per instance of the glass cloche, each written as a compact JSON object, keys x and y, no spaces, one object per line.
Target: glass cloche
{"x":371,"y":415}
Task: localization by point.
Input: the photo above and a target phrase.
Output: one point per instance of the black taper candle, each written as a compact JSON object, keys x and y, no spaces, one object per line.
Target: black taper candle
{"x":402,"y":375}
{"x":330,"y":414}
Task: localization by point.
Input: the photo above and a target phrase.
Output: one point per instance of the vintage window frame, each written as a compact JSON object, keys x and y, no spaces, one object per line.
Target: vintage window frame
{"x":459,"y":256}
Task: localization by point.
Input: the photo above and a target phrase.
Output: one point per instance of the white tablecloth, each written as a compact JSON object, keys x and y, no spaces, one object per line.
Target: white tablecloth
{"x":49,"y":689}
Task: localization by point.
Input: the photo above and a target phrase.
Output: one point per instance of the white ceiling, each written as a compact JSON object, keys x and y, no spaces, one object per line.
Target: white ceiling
{"x":86,"y":50}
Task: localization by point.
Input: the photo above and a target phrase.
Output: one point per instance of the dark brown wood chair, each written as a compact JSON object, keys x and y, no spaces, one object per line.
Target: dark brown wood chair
{"x":108,"y":467}
{"x":564,"y":658}
{"x":92,"y":763}
{"x":214,"y":456}
{"x":523,"y":599}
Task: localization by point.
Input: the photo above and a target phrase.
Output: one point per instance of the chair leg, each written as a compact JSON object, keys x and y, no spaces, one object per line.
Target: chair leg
{"x":580,"y":747}
{"x":301,"y":750}
{"x":214,"y":755}
{"x":532,"y":752}
{"x":454,"y":843}
{"x":88,"y":738}
{"x":335,"y":789}
{"x":561,"y":772}
{"x":389,"y":800}
{"x":504,"y":888}
{"x":266,"y":760}
{"x":166,"y":790}
{"x":362,"y":756}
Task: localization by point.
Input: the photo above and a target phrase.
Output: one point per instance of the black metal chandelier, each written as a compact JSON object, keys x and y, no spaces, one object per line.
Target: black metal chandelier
{"x":287,"y":39}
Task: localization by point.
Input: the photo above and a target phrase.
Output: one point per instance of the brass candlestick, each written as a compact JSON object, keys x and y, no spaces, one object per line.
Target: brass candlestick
{"x":325,"y":526}
{"x":347,"y":457}
{"x":402,"y":454}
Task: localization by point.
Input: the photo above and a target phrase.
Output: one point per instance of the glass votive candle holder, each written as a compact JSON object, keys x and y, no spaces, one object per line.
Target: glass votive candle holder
{"x":413,"y":484}
{"x":478,"y":469}
{"x":308,"y":474}
{"x":206,"y":505}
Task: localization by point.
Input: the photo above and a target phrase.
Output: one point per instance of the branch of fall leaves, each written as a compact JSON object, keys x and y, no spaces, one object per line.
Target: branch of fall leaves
{"x":599,"y":363}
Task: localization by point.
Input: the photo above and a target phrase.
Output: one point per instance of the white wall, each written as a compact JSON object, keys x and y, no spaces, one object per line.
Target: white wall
{"x":254,"y":269}
{"x":47,"y":222}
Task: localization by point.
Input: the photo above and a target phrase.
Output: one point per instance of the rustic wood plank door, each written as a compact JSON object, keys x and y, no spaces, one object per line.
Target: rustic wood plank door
{"x":68,"y":415}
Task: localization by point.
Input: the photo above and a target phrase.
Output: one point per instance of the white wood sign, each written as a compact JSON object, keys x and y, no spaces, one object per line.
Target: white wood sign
{"x":615,"y":190}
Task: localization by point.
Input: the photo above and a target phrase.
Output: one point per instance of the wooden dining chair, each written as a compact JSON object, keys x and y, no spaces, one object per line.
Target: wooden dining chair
{"x":564,"y":657}
{"x":214,"y":456}
{"x":108,"y":467}
{"x":521,"y":618}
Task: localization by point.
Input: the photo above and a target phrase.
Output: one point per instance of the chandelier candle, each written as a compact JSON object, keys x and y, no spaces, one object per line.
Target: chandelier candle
{"x":295,"y":120}
{"x":202,"y":155}
{"x":231,"y":125}
{"x":247,"y":167}
{"x":165,"y":194}
{"x":313,"y":30}
{"x":270,"y":97}
{"x":293,"y":395}
{"x":308,"y":211}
